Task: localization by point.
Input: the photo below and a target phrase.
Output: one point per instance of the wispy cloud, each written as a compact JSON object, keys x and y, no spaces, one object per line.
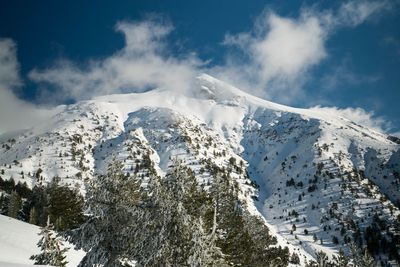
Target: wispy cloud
{"x":14,"y":113}
{"x":144,"y":62}
{"x":9,"y":66}
{"x":353,"y":13}
{"x":360,"y":116}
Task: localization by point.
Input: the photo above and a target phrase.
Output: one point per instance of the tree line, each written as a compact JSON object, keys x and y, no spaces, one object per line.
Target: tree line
{"x":172,"y":221}
{"x":61,"y":204}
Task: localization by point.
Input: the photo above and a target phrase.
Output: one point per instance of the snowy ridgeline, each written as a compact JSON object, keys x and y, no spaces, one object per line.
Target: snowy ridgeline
{"x":18,"y":241}
{"x":316,"y":172}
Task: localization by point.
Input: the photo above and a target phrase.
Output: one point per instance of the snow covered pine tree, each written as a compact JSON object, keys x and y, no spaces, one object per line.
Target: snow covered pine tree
{"x":52,"y":249}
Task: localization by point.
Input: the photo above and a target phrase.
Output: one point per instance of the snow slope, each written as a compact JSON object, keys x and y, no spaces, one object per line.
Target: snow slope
{"x":314,"y":169}
{"x":18,"y":242}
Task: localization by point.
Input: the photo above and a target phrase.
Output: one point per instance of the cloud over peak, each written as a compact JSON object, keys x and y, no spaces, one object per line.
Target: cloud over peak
{"x":143,"y":63}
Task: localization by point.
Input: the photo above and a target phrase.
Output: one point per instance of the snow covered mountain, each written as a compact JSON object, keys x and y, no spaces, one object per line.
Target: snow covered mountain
{"x":319,"y":181}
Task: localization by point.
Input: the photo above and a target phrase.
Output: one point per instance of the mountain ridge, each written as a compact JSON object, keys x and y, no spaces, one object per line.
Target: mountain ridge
{"x":299,"y":167}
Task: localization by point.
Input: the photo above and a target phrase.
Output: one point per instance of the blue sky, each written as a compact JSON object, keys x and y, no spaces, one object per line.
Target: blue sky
{"x":339,"y":54}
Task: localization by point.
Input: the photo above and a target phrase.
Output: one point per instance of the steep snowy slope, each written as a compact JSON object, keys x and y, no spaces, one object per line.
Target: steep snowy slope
{"x":18,"y":242}
{"x":308,"y":173}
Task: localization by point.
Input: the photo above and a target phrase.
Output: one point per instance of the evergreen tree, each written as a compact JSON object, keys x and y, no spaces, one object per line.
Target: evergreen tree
{"x":294,"y":258}
{"x":65,"y":207}
{"x":361,"y":258}
{"x":40,"y":200}
{"x":33,"y":216}
{"x":114,"y":202}
{"x":3,"y":203}
{"x":367,"y":260}
{"x":185,"y":241}
{"x":178,"y":237}
{"x":243,"y":238}
{"x":52,"y":252}
{"x":322,"y":259}
{"x":341,"y":260}
{"x":14,"y":205}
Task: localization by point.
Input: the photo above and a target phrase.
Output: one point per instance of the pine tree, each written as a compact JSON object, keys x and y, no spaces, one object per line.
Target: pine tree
{"x":33,"y":216}
{"x":40,"y":201}
{"x":114,"y":202}
{"x":14,"y":205}
{"x":52,"y":252}
{"x":361,"y":258}
{"x":65,"y":207}
{"x":315,"y":238}
{"x":243,"y":238}
{"x":322,"y":259}
{"x":367,"y":260}
{"x":341,"y":260}
{"x":181,"y":203}
{"x":294,"y":258}
{"x":3,"y":203}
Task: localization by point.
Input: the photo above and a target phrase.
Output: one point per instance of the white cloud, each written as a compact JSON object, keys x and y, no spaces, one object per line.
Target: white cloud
{"x":353,"y":13}
{"x":8,"y":64}
{"x":274,"y":59}
{"x":279,"y":53}
{"x":144,"y":37}
{"x":283,"y":46}
{"x":142,"y":64}
{"x":14,"y":113}
{"x":359,"y":116}
{"x":289,"y":47}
